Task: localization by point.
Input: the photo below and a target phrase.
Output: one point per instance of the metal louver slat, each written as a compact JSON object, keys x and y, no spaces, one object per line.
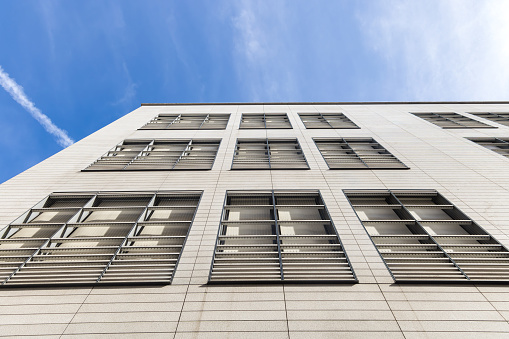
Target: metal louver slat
{"x":265,"y":121}
{"x":268,"y":154}
{"x":433,"y":240}
{"x":327,"y":120}
{"x":159,"y":154}
{"x":188,"y":121}
{"x":499,"y":117}
{"x":451,"y":120}
{"x":101,"y":238}
{"x":356,"y":153}
{"x":497,"y":145}
{"x":269,"y":236}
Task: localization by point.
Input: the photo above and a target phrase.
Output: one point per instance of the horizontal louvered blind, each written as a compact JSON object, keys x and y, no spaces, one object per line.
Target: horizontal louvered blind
{"x":326,"y":120}
{"x":188,"y":121}
{"x":278,"y":236}
{"x":356,"y":153}
{"x":499,"y":117}
{"x":451,"y":120}
{"x":262,"y":120}
{"x":498,"y":145}
{"x":421,"y":236}
{"x":158,"y":154}
{"x":268,"y":154}
{"x":87,"y":238}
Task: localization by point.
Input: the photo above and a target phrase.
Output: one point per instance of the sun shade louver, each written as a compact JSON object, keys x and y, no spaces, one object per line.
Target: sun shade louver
{"x":188,"y":121}
{"x":451,"y":120}
{"x":497,"y":145}
{"x":262,"y":120}
{"x":159,"y":154}
{"x":421,"y":237}
{"x":356,"y":153}
{"x":275,"y":236}
{"x":268,"y":154}
{"x":498,"y":117}
{"x":327,"y":120}
{"x":88,"y":238}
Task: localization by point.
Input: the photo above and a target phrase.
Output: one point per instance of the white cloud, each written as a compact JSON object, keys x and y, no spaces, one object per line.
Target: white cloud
{"x":261,"y":56}
{"x":17,"y":93}
{"x":249,"y":41}
{"x":442,"y":49}
{"x":130,"y":90}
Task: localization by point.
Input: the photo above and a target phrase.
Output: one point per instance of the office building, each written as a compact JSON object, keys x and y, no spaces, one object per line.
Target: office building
{"x":275,"y":220}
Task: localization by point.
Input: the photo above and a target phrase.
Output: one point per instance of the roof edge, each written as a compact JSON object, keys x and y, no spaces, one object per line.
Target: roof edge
{"x":328,"y":103}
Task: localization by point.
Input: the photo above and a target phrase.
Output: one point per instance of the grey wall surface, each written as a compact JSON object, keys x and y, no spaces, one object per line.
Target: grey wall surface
{"x":472,"y":177}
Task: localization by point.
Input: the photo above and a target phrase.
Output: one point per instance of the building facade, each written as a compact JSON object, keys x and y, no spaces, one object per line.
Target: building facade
{"x":285,"y":220}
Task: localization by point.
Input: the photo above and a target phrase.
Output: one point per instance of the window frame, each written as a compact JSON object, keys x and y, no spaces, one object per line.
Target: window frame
{"x":267,"y":141}
{"x":149,"y":143}
{"x":265,"y":115}
{"x":440,"y":115}
{"x":345,"y":140}
{"x":206,"y":116}
{"x":503,"y":117}
{"x":63,"y":233}
{"x":340,"y":115}
{"x":417,"y":222}
{"x":505,"y":141}
{"x":212,"y":281}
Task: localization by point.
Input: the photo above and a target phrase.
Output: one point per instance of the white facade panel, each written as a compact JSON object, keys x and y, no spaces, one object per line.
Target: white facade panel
{"x":473,"y":178}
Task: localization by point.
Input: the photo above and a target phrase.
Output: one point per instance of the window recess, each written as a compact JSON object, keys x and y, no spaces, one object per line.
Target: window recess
{"x":326,"y":120}
{"x":268,"y":154}
{"x":421,"y":236}
{"x":158,"y":154}
{"x":275,"y":236}
{"x":498,"y":117}
{"x":449,"y":120}
{"x":188,"y":121}
{"x":497,"y":145}
{"x":266,"y":121}
{"x":97,"y":238}
{"x":356,"y":153}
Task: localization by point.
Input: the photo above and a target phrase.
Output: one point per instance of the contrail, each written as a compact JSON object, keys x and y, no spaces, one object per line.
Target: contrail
{"x":17,"y":93}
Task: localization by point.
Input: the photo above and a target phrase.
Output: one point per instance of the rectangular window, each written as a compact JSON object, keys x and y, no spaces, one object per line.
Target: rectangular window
{"x":421,"y":236}
{"x":326,"y":120}
{"x":268,"y":154}
{"x":356,"y":153}
{"x":88,"y":238}
{"x":278,"y":236}
{"x":188,"y":121}
{"x":451,"y":120}
{"x":497,"y":145}
{"x":158,"y":154}
{"x":267,"y":121}
{"x":499,"y":117}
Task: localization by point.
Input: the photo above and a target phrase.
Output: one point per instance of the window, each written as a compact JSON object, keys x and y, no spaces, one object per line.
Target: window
{"x":268,"y":154}
{"x":500,"y":117}
{"x":326,"y":120}
{"x":87,"y":238}
{"x":421,"y":236}
{"x":262,"y":120}
{"x":188,"y":121}
{"x":158,"y":154}
{"x":498,"y":145}
{"x":451,"y":120}
{"x":356,"y":153}
{"x":278,"y":236}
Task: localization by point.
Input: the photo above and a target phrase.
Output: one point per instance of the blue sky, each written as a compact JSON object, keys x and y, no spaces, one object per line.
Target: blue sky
{"x":84,"y":64}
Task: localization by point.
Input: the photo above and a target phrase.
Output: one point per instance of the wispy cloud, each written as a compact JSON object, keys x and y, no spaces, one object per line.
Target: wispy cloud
{"x":260,"y":54}
{"x":437,"y":49}
{"x":130,"y":89}
{"x":17,"y":93}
